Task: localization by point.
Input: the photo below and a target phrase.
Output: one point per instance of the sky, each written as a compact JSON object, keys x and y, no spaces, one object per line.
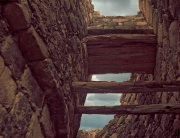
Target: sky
{"x":107,"y":8}
{"x":116,"y":7}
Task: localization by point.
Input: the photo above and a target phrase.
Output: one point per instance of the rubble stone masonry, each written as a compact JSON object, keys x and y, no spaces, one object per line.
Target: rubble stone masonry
{"x":164,"y":17}
{"x":41,"y":52}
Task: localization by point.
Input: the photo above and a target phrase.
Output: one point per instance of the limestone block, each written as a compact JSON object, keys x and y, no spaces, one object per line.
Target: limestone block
{"x":13,"y":57}
{"x":32,"y":46}
{"x":1,"y":65}
{"x":7,"y":89}
{"x":174,"y":34}
{"x":34,"y":130}
{"x":46,"y":123}
{"x":27,"y":84}
{"x":17,"y":15}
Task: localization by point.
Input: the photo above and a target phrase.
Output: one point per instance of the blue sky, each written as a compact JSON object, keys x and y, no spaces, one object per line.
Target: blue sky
{"x":107,"y":8}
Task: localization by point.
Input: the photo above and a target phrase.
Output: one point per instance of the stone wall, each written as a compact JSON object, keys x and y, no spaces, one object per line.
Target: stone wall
{"x":118,"y":24}
{"x":164,"y":17}
{"x":41,"y":52}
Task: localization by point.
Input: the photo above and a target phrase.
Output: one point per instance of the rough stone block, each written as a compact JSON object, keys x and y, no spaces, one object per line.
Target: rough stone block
{"x":45,"y":73}
{"x":155,"y":21}
{"x":34,"y":130}
{"x":2,"y":113}
{"x":141,"y":23}
{"x":16,"y":123}
{"x":120,"y":20}
{"x":17,"y":15}
{"x":1,"y":65}
{"x":13,"y":57}
{"x":106,"y":19}
{"x":160,"y":34}
{"x":174,"y":34}
{"x":4,"y":30}
{"x":7,"y":89}
{"x":165,"y":25}
{"x":32,"y":46}
{"x":46,"y":123}
{"x":27,"y":84}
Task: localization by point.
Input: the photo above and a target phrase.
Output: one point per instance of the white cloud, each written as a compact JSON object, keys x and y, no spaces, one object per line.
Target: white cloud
{"x":116,"y":7}
{"x":94,"y":78}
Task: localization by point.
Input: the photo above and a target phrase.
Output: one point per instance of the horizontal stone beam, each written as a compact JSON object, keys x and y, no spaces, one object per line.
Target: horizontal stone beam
{"x":121,"y":53}
{"x":130,"y":109}
{"x":146,"y":68}
{"x":119,"y":31}
{"x":125,"y":87}
{"x":119,"y":40}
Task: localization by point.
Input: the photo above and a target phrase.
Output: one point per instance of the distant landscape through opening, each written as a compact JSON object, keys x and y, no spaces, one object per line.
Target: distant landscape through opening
{"x":107,"y":8}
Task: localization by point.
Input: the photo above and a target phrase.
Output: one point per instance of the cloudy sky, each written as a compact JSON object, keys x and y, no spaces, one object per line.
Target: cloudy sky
{"x":107,"y":8}
{"x":116,"y":7}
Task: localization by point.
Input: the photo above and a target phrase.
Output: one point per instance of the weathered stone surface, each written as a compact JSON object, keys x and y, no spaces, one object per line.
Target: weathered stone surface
{"x":46,"y":124}
{"x":59,"y":26}
{"x":45,"y":73}
{"x":20,"y":19}
{"x":155,"y":21}
{"x":13,"y":57}
{"x":118,"y":25}
{"x":28,"y":85}
{"x":7,"y":89}
{"x":4,"y":30}
{"x":165,"y":14}
{"x":2,"y":113}
{"x":87,"y":133}
{"x":160,"y":34}
{"x":30,"y":42}
{"x":174,"y":34}
{"x":16,"y":123}
{"x":34,"y":129}
{"x":1,"y":65}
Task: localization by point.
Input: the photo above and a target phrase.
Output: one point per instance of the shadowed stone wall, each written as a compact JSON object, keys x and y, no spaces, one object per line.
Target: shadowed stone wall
{"x":164,"y":17}
{"x":41,"y":53}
